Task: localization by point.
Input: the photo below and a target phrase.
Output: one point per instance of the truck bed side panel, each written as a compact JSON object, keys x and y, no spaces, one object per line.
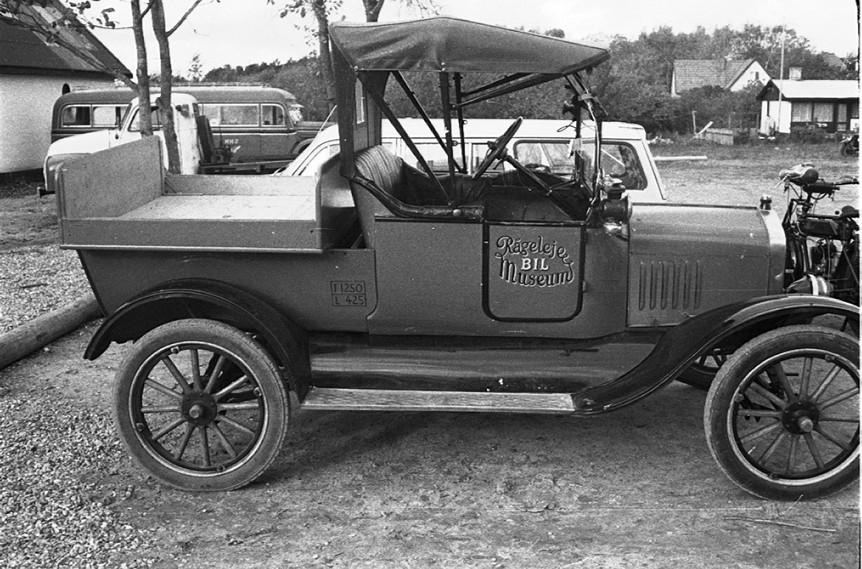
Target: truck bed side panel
{"x":333,"y":291}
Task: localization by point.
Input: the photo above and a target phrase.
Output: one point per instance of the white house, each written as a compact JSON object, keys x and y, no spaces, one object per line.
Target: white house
{"x":730,"y":74}
{"x":832,"y":105}
{"x":34,"y":70}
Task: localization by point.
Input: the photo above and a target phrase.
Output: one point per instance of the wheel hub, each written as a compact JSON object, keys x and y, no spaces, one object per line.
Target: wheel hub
{"x":199,"y":408}
{"x":801,"y":417}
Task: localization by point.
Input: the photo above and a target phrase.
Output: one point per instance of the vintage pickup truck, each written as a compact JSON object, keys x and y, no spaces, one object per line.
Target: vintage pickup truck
{"x":374,"y":285}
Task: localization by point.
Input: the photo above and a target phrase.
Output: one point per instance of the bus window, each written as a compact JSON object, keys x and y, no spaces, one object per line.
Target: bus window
{"x":212,"y":113}
{"x":272,"y":115}
{"x":236,"y":115}
{"x":76,"y":115}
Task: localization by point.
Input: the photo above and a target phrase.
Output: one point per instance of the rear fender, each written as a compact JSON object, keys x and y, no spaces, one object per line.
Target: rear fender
{"x":285,"y":341}
{"x":727,"y":326}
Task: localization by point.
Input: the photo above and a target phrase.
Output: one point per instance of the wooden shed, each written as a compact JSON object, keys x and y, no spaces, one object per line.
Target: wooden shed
{"x":832,"y":105}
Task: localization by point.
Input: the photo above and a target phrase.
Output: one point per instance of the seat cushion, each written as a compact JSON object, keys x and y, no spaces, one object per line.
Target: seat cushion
{"x":380,"y":166}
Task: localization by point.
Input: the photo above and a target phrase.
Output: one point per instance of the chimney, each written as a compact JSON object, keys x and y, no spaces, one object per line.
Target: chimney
{"x":794,"y":73}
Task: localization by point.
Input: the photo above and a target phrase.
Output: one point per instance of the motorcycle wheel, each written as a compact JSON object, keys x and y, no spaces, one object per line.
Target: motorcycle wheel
{"x":845,"y":280}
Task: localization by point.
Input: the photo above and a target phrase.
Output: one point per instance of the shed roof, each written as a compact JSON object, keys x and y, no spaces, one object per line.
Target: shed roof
{"x":814,"y":89}
{"x":694,"y":73}
{"x":24,"y":48}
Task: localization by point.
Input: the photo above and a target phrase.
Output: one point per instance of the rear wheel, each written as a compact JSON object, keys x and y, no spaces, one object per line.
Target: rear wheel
{"x":782,"y":415}
{"x":201,"y":406}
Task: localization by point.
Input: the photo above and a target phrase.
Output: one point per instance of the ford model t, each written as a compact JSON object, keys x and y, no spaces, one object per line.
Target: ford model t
{"x":376,"y":285}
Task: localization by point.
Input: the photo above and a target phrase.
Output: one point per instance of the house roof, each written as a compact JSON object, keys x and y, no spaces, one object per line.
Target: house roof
{"x":694,"y":73}
{"x":815,"y":89}
{"x":24,"y":47}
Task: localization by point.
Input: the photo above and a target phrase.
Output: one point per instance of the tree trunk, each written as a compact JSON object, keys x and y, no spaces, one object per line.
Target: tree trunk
{"x":32,"y":335}
{"x":372,"y":9}
{"x":144,"y":116}
{"x":166,"y":111}
{"x":324,"y":58}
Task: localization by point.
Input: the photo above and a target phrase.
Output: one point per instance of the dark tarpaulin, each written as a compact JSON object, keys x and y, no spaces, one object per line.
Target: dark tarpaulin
{"x":450,"y":44}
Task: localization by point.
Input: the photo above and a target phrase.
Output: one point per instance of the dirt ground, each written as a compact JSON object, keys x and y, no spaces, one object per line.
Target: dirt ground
{"x":635,"y":488}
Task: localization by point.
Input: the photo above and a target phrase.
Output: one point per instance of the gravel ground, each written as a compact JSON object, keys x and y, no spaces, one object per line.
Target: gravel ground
{"x":60,"y":490}
{"x":55,"y":502}
{"x":37,"y":279}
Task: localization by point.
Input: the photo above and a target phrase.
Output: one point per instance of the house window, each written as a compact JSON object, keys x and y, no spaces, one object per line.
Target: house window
{"x":823,"y":112}
{"x":842,"y":113}
{"x":801,"y":112}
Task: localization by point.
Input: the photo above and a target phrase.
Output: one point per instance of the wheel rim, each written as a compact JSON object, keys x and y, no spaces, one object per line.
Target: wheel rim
{"x":197,"y":408}
{"x":795,"y":418}
{"x":710,"y":362}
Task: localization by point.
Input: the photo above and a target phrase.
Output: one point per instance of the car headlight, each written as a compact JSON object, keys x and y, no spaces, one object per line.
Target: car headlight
{"x":52,"y":164}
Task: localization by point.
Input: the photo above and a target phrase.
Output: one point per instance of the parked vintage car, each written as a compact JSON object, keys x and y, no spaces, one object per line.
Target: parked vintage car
{"x":249,"y":128}
{"x":374,"y":285}
{"x":257,"y":122}
{"x":542,"y":145}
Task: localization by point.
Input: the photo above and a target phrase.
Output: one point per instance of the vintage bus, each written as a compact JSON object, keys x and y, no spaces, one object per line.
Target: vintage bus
{"x":257,"y":123}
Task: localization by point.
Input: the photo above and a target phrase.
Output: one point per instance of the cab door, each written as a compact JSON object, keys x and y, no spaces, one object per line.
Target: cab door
{"x":491,"y":276}
{"x":533,"y":271}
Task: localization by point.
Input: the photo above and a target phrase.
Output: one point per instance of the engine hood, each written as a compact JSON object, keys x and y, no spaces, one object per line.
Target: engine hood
{"x":687,"y":259}
{"x":86,"y":143}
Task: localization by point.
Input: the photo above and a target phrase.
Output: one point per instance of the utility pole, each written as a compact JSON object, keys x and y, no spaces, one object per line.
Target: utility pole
{"x":781,"y":77}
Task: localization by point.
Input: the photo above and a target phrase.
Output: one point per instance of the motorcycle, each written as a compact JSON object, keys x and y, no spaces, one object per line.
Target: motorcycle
{"x":849,"y":145}
{"x":822,"y":250}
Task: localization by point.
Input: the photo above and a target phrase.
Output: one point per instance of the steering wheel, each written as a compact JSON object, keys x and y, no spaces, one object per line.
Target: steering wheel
{"x":497,"y":149}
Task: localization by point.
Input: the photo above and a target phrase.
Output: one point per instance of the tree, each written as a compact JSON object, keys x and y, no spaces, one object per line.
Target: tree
{"x":322,"y":11}
{"x":196,"y":69}
{"x":79,"y":13}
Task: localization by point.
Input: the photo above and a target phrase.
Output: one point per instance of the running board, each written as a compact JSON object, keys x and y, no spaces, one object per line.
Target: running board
{"x":336,"y":399}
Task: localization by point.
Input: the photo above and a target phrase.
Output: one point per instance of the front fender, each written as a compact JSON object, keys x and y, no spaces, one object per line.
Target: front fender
{"x":208,"y":299}
{"x":680,"y":346}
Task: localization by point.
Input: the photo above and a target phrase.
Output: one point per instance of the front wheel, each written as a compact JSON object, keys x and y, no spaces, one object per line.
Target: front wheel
{"x":782,"y":415}
{"x":201,"y":405}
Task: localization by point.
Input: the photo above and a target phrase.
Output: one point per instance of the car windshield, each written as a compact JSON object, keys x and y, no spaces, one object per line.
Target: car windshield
{"x":553,"y":155}
{"x":620,"y":164}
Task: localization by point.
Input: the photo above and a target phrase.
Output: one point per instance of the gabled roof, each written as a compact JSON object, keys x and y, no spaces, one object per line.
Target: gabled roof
{"x":24,"y":49}
{"x":694,"y":73}
{"x":814,"y":89}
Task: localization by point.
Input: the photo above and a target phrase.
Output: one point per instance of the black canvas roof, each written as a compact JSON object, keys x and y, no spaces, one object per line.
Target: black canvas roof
{"x":454,"y":45}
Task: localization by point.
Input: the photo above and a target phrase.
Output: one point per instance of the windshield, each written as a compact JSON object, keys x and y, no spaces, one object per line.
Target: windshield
{"x":620,"y":164}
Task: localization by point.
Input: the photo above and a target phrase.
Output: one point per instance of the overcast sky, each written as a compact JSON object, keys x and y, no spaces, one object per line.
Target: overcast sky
{"x":241,"y":32}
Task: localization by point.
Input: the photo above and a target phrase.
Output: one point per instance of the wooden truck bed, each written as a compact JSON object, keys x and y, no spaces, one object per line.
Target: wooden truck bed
{"x":122,"y":199}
